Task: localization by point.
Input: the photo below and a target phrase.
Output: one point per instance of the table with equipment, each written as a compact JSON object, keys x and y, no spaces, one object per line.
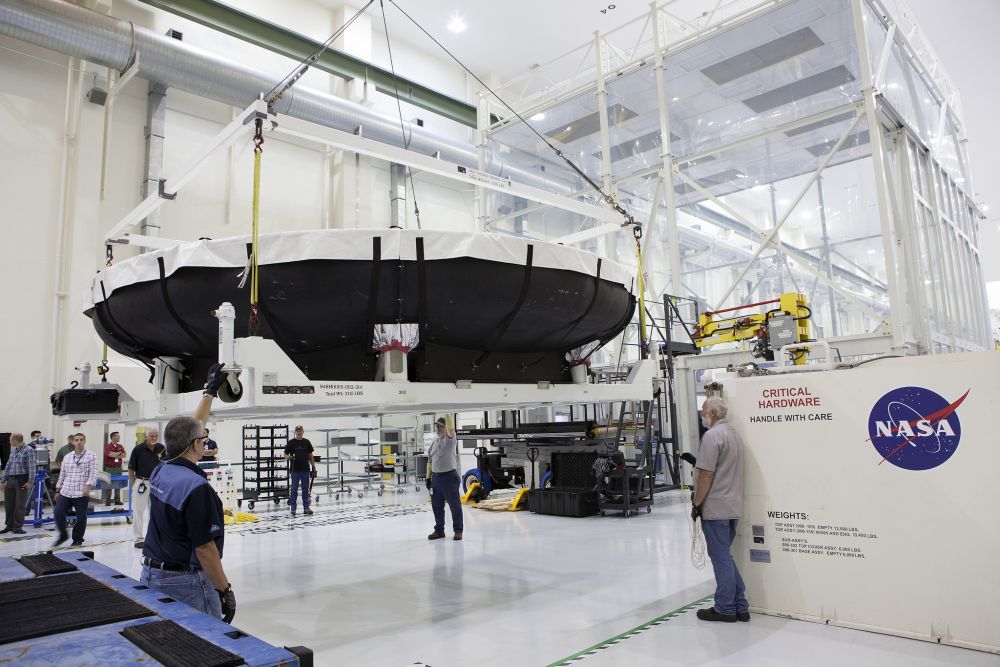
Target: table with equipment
{"x":66,"y":608}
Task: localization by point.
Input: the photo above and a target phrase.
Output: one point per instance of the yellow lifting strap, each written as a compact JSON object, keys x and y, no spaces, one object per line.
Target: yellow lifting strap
{"x":641,"y":286}
{"x":258,"y":149}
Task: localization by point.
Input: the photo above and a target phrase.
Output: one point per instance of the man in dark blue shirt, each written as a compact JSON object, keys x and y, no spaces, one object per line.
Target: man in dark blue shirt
{"x":300,"y":451}
{"x":182,"y":552}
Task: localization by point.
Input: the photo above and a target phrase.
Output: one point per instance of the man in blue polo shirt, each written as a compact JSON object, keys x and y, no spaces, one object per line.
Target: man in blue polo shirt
{"x":182,"y":552}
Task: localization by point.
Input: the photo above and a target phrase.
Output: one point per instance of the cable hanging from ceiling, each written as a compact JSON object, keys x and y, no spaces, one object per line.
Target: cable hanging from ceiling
{"x":608,"y":198}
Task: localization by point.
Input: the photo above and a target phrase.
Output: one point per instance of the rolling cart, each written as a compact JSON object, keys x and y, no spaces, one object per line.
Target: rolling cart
{"x":265,"y":471}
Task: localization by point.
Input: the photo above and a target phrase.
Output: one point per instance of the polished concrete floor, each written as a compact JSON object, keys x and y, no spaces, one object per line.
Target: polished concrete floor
{"x":359,"y":583}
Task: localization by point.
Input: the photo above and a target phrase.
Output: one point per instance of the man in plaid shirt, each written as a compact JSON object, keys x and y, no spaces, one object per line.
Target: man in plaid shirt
{"x":18,"y":478}
{"x":78,"y":476}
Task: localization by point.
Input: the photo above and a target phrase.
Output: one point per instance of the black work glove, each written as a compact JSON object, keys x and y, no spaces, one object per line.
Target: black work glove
{"x":428,"y":483}
{"x":695,"y":512}
{"x":216,"y":378}
{"x":689,"y":457}
{"x":312,"y":473}
{"x":228,"y":600}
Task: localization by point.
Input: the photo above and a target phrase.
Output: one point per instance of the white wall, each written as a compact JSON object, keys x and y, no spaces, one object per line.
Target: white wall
{"x":35,"y":359}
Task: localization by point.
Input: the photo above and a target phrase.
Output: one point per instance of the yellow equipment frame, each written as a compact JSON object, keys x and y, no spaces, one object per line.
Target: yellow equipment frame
{"x":715,"y":330}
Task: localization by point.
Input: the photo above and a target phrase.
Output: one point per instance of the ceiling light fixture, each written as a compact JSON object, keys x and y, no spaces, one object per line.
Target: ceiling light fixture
{"x":538,"y":116}
{"x":456,"y":24}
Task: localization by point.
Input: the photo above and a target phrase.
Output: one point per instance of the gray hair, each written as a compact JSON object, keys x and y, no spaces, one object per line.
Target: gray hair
{"x":16,"y":437}
{"x":179,"y":434}
{"x":716,"y":405}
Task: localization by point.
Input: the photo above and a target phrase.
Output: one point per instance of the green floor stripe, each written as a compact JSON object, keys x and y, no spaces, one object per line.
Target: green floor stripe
{"x":629,"y":633}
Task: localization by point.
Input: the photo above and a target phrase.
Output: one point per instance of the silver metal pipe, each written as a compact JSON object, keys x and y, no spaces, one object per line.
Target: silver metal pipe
{"x":82,"y":33}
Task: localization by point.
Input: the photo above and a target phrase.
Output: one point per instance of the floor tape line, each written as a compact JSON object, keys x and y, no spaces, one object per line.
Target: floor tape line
{"x":627,"y":634}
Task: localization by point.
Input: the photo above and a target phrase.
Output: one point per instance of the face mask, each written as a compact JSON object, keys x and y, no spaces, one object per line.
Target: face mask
{"x":706,"y":421}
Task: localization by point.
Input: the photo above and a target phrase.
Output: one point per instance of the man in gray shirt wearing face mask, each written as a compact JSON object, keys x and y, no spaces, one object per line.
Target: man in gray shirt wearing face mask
{"x":442,"y":457}
{"x":718,"y":499}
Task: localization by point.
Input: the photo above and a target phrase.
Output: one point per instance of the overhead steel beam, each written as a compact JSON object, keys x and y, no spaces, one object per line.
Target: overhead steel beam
{"x":298,"y":47}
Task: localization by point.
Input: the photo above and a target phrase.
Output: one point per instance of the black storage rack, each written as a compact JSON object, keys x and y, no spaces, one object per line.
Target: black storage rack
{"x":265,"y":470}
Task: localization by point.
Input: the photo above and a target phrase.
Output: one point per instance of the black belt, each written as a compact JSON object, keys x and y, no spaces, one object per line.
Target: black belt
{"x":167,"y":567}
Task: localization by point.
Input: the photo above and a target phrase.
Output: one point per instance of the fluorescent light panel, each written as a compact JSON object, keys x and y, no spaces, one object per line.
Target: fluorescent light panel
{"x":589,"y":124}
{"x":801,"y":89}
{"x":765,"y":55}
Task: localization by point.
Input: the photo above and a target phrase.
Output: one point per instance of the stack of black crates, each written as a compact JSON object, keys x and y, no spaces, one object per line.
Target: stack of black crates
{"x":571,"y":491}
{"x":265,"y":470}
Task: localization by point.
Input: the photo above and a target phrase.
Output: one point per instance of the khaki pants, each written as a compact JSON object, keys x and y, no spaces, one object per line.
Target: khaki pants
{"x":140,"y":508}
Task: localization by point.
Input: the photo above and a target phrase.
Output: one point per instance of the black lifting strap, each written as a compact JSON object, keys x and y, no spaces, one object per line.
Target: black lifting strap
{"x":170,"y":305}
{"x":422,"y":317}
{"x":373,"y":294}
{"x":502,"y":329}
{"x":136,"y":346}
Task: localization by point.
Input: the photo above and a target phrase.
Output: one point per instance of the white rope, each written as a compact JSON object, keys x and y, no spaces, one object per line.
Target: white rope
{"x":697,"y":546}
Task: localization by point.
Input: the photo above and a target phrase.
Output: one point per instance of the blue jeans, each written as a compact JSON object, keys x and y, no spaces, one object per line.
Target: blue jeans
{"x":446,"y":486}
{"x":730,"y":592}
{"x":62,"y":508}
{"x":299,"y":479}
{"x":192,"y":588}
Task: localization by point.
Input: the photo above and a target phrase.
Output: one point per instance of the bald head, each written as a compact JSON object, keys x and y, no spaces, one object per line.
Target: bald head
{"x":16,"y":439}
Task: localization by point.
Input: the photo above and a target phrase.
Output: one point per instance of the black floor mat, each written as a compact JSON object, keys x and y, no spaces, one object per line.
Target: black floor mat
{"x":174,"y":646}
{"x":43,"y":564}
{"x":50,"y":605}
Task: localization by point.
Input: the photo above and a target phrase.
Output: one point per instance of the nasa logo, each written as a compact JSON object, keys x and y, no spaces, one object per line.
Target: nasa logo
{"x":915,"y":428}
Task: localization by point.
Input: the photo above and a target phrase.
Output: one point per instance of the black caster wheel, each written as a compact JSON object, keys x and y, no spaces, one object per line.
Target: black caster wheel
{"x":360,"y":495}
{"x":381,"y":487}
{"x":649,"y":510}
{"x":380,"y":492}
{"x":317,"y":499}
{"x":250,"y":506}
{"x":336,"y":496}
{"x":128,"y":519}
{"x":239,"y":503}
{"x":603,"y":513}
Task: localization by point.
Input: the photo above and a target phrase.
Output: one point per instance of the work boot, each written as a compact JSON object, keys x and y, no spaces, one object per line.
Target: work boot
{"x":59,"y":540}
{"x":743,"y":616}
{"x":435,"y":536}
{"x":710,"y":614}
{"x":307,"y":511}
{"x":140,"y":544}
{"x":458,"y":537}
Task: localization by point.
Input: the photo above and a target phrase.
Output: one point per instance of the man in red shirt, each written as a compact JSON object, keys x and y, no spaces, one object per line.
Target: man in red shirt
{"x":114,"y":454}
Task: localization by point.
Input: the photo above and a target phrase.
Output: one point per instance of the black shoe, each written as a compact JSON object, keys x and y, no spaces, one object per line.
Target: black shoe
{"x":743,"y":616}
{"x":458,"y":537}
{"x":293,"y":514}
{"x":710,"y":614}
{"x":118,"y":502}
{"x":6,"y":530}
{"x":435,"y":536}
{"x":59,"y":540}
{"x":77,"y":543}
{"x":140,"y":544}
{"x":307,"y":511}
{"x":18,"y":532}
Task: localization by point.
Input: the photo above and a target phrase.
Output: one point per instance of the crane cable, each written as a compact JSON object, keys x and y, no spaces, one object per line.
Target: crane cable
{"x":608,"y":198}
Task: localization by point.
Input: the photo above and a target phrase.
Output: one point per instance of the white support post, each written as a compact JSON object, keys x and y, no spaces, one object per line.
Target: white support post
{"x":240,"y":127}
{"x":883,"y":59}
{"x":603,"y":62}
{"x":666,"y":156}
{"x":480,"y":203}
{"x":897,"y":308}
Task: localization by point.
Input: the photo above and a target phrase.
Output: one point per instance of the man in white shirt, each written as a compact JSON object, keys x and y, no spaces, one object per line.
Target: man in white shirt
{"x":77,"y":477}
{"x":442,"y":457}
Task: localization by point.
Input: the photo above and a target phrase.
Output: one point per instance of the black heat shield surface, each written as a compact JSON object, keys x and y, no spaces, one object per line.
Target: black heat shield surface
{"x":479,"y":320}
